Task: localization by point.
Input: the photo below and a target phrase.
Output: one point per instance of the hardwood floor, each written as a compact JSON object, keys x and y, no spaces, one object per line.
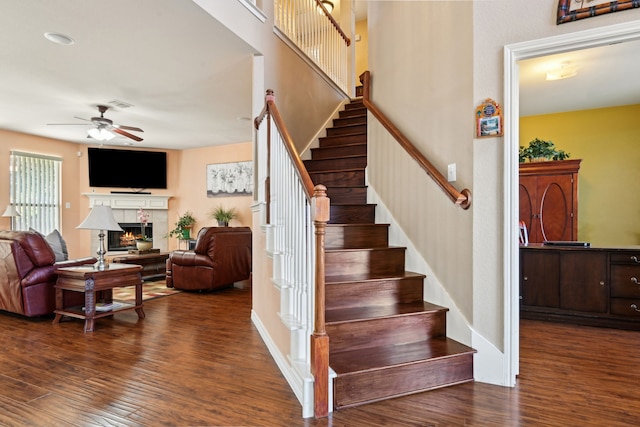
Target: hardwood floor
{"x":197,"y":360}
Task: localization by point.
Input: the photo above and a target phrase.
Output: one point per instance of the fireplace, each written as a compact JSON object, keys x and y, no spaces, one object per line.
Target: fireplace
{"x":126,"y":239}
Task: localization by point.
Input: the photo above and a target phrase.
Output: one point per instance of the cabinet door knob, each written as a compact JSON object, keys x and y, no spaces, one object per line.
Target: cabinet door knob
{"x":635,"y":259}
{"x":602,"y":283}
{"x":525,"y":278}
{"x":634,"y":280}
{"x":635,"y":307}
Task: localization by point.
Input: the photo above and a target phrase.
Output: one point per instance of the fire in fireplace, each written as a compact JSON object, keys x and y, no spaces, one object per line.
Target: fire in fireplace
{"x":126,"y":239}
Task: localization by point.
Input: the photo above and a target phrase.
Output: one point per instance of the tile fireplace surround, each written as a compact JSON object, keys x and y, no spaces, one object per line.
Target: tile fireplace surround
{"x":125,"y":208}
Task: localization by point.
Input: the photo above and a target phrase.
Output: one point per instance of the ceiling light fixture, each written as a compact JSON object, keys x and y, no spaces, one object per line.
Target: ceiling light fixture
{"x":101,"y":134}
{"x":59,"y":38}
{"x":327,"y":5}
{"x":564,"y":71}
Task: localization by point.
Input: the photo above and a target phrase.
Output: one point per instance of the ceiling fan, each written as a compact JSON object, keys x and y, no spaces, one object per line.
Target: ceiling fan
{"x":104,"y":129}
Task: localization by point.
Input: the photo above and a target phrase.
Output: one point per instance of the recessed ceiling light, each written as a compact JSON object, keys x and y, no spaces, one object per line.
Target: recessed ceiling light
{"x":59,"y":38}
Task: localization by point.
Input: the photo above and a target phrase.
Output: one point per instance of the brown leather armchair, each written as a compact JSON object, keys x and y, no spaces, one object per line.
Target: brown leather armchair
{"x":222,"y":256}
{"x":27,"y":274}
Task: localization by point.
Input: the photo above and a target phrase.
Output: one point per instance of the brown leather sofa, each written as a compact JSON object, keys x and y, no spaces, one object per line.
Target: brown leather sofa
{"x":27,"y":274}
{"x":221,"y":257}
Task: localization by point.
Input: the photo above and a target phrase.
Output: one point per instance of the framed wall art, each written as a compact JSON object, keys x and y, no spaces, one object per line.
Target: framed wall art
{"x":488,"y":119}
{"x":572,"y":10}
{"x":230,"y":179}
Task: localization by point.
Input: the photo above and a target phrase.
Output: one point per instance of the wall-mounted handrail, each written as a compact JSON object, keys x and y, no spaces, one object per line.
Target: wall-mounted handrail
{"x":460,"y":198}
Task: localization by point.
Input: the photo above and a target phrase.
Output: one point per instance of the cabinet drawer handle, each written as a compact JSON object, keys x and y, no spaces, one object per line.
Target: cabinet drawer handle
{"x":634,"y":280}
{"x":635,"y":307}
{"x":635,"y":259}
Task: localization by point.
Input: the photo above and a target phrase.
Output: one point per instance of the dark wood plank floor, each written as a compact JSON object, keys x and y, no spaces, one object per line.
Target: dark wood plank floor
{"x":197,"y":360}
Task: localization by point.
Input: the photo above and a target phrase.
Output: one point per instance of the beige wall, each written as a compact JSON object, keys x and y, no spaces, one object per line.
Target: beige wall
{"x":432,"y":63}
{"x":496,"y":24}
{"x":191,"y":187}
{"x":186,"y":179}
{"x":607,"y":216}
{"x":417,"y":82}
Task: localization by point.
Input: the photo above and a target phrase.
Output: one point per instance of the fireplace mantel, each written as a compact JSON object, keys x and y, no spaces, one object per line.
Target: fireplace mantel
{"x":128,"y":201}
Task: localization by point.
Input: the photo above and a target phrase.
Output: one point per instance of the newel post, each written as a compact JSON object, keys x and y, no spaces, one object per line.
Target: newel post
{"x":319,"y":339}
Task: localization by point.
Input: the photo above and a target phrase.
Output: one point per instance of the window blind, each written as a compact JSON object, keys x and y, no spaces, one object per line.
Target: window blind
{"x":35,"y":190}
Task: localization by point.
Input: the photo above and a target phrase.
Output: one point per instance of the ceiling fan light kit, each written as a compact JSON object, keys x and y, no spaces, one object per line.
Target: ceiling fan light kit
{"x":104,"y":129}
{"x":101,"y":134}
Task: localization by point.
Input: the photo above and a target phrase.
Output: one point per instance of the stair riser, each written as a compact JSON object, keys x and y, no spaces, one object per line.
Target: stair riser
{"x":356,"y":236}
{"x":378,"y":261}
{"x":340,"y":164}
{"x":370,"y":293}
{"x":356,"y":389}
{"x":337,"y":141}
{"x":350,"y":120}
{"x":347,"y":130}
{"x":347,"y":195}
{"x":352,"y":214}
{"x":386,"y":331}
{"x":343,"y":151}
{"x":355,"y":104}
{"x":353,"y":112}
{"x":338,"y":179}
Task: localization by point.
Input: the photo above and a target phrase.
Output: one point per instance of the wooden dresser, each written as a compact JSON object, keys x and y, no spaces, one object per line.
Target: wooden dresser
{"x":590,"y":286}
{"x":549,"y":199}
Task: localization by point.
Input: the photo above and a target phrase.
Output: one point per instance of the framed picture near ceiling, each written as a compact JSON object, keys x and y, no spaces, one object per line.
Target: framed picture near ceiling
{"x":230,"y":179}
{"x":572,"y":10}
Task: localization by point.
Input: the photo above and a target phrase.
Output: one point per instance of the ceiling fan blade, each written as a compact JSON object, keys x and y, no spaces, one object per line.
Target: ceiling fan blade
{"x":80,"y":118}
{"x":69,"y":124}
{"x":124,"y":133}
{"x":128,"y":128}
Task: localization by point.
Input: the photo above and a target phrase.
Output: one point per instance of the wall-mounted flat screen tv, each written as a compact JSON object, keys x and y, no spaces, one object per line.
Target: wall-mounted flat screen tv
{"x":135,"y":169}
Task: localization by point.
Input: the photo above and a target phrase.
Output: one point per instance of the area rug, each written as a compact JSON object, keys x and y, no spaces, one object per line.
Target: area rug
{"x":150,"y":290}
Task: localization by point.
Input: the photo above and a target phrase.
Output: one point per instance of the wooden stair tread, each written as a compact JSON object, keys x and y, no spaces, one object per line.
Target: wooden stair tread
{"x":362,"y":249}
{"x":388,"y":356}
{"x":362,"y":313}
{"x":348,"y":278}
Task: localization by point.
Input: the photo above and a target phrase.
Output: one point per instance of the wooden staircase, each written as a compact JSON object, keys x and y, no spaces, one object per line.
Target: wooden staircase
{"x":385,"y":341}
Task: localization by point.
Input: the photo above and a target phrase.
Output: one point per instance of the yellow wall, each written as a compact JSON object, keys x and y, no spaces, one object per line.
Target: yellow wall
{"x":186,"y":179}
{"x":607,"y":142}
{"x":362,"y":49}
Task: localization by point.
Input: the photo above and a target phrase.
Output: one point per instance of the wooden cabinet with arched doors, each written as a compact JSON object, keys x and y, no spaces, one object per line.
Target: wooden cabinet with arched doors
{"x":549,"y":200}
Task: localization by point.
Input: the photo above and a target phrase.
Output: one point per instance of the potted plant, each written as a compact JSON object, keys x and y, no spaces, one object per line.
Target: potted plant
{"x":143,"y":242}
{"x":183,"y":226}
{"x":540,"y":150}
{"x":223,"y":216}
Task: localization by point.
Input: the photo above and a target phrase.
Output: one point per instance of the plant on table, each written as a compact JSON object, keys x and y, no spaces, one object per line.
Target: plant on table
{"x":223,"y":215}
{"x":183,"y":227}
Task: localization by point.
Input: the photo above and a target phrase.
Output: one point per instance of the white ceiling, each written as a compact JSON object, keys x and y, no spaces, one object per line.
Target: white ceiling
{"x":189,"y":79}
{"x":607,"y":76}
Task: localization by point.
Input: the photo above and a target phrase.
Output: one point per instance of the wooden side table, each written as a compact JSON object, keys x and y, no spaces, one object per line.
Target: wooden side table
{"x":89,"y":281}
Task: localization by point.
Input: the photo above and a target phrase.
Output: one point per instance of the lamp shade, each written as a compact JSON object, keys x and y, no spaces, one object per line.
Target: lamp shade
{"x":11,"y":211}
{"x":101,"y":134}
{"x":100,"y":218}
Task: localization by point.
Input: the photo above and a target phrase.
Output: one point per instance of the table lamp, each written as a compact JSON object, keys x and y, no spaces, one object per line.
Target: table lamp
{"x":100,"y":218}
{"x":11,"y":212}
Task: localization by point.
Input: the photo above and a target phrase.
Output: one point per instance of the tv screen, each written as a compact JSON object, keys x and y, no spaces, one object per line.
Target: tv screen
{"x":133,"y":169}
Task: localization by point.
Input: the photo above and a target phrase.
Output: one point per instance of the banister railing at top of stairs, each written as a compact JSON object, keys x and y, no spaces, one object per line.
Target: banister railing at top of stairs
{"x":292,"y":202}
{"x":313,"y":30}
{"x":460,"y":198}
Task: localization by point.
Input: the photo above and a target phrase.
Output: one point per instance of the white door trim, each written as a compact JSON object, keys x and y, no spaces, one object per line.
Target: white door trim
{"x":512,"y":54}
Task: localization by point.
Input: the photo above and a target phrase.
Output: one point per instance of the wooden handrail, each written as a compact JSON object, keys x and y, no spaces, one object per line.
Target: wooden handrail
{"x":301,"y":171}
{"x":346,"y":39}
{"x":320,"y":208}
{"x":460,"y":198}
